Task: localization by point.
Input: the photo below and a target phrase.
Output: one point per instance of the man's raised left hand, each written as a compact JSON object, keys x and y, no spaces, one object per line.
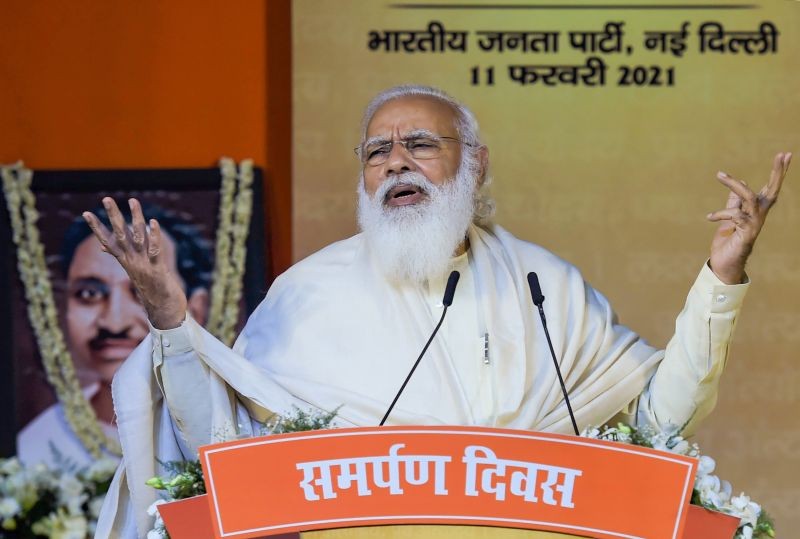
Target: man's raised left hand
{"x":742,"y":219}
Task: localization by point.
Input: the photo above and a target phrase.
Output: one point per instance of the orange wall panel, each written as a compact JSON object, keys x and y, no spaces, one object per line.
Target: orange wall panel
{"x":134,"y":84}
{"x":147,"y":84}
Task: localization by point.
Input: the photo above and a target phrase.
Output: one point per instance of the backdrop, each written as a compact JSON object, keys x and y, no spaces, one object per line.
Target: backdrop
{"x":608,"y":160}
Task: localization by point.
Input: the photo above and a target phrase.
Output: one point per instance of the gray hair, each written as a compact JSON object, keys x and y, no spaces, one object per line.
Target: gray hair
{"x":466,"y":126}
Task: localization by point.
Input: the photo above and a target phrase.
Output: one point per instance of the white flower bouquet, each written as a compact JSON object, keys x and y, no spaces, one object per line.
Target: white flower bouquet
{"x":38,"y":501}
{"x":709,"y":491}
{"x":184,"y":479}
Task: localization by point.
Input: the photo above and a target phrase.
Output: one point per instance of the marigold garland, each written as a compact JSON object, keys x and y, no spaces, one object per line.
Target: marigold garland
{"x":227,"y":191}
{"x":235,"y":211}
{"x":236,"y":199}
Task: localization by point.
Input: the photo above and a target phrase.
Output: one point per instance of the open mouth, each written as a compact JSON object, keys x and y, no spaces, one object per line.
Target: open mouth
{"x":403,"y":195}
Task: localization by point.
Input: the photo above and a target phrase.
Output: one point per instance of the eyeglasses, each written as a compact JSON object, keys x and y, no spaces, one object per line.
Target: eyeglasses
{"x":420,"y":147}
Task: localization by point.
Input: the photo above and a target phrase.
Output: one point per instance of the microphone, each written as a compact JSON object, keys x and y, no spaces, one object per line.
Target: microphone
{"x":449,"y":292}
{"x":538,"y":300}
{"x":450,"y":289}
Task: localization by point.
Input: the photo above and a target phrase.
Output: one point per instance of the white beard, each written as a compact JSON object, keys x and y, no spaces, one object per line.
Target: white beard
{"x":416,"y":242}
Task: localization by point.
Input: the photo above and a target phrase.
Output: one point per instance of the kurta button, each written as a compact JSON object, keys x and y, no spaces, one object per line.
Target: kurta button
{"x":722,"y":298}
{"x":165,"y":342}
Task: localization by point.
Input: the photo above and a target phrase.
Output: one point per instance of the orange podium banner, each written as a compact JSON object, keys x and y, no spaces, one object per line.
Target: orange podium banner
{"x":445,"y":475}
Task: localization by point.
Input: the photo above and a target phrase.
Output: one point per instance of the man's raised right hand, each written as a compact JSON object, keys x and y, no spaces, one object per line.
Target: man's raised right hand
{"x":139,"y":251}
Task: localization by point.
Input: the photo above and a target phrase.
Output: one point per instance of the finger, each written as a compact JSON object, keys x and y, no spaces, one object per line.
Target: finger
{"x":734,"y":201}
{"x":736,"y":215}
{"x":780,"y":166}
{"x":100,"y":231}
{"x":120,"y":228}
{"x":154,"y":249}
{"x":776,"y":175}
{"x":739,"y":187}
{"x":139,"y":229}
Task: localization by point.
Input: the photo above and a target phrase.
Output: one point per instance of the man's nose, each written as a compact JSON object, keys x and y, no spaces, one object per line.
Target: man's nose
{"x":399,"y":160}
{"x":116,"y":316}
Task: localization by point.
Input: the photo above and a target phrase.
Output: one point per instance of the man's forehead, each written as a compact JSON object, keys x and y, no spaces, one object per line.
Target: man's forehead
{"x":408,"y":114}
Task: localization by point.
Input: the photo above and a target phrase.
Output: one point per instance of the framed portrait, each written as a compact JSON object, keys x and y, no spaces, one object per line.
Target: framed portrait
{"x":96,"y":305}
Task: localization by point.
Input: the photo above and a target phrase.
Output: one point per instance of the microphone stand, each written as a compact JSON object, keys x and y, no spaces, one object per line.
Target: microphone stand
{"x":538,"y":300}
{"x":449,"y":292}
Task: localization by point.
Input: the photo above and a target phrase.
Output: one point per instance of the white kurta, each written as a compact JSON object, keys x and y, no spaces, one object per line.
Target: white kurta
{"x":332,"y":333}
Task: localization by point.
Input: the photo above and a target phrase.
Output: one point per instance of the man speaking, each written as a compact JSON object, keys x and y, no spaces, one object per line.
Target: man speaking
{"x":342,"y":328}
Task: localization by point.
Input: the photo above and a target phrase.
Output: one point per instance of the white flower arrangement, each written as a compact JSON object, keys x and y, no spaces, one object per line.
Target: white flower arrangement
{"x":709,"y":491}
{"x":159,"y":531}
{"x":38,"y":501}
{"x":184,"y":479}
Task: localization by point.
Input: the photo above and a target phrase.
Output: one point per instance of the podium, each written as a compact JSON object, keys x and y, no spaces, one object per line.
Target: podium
{"x":465,"y":482}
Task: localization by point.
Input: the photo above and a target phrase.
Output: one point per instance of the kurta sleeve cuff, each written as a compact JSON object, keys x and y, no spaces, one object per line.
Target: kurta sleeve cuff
{"x":720,"y":297}
{"x":170,"y":342}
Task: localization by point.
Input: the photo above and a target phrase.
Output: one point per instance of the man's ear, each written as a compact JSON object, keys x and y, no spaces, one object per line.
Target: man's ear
{"x":198,"y":303}
{"x":483,"y":161}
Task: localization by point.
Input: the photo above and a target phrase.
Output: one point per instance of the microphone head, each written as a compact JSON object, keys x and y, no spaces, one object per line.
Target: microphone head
{"x":450,"y":289}
{"x":536,"y":290}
